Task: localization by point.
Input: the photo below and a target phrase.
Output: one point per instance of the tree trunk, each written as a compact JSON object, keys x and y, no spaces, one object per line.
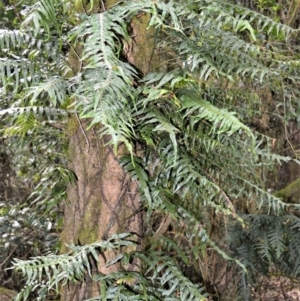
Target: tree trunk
{"x":104,"y":200}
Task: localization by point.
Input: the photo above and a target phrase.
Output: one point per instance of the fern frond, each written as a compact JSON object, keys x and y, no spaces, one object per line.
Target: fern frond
{"x":42,"y":14}
{"x":36,"y":110}
{"x":11,"y":39}
{"x":222,"y":120}
{"x":14,"y":73}
{"x":29,"y":119}
{"x":164,"y":270}
{"x":17,"y":39}
{"x":231,"y":14}
{"x":55,"y":87}
{"x":57,"y":269}
{"x":23,"y":124}
{"x":106,"y":93}
{"x":134,"y":166}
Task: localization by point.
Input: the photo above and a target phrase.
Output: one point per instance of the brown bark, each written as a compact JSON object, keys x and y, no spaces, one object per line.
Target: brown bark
{"x":102,"y":202}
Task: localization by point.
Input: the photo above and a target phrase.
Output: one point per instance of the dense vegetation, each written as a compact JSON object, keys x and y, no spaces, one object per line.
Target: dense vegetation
{"x":211,"y":129}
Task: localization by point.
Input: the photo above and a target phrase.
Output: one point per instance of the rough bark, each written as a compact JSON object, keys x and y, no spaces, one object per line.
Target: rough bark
{"x":102,"y":202}
{"x":7,"y":295}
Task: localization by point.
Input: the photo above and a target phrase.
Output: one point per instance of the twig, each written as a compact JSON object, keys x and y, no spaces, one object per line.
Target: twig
{"x":227,"y":199}
{"x":2,"y":263}
{"x":102,"y":3}
{"x":286,"y":132}
{"x":83,"y":7}
{"x":83,"y":131}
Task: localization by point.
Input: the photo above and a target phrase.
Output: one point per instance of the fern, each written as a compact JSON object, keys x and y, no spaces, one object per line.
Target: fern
{"x":55,"y":87}
{"x":67,"y":267}
{"x":36,"y":110}
{"x":42,"y":14}
{"x":165,"y":271}
{"x":56,"y":269}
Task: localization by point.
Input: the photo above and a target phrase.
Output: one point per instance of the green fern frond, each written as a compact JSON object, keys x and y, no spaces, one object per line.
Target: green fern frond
{"x":55,"y":87}
{"x":103,"y":44}
{"x":106,"y":92}
{"x":36,"y":110}
{"x":276,"y":238}
{"x":164,"y":270}
{"x":23,"y":124}
{"x":14,"y":73}
{"x":29,"y":118}
{"x":57,"y":269}
{"x":222,"y":120}
{"x":12,"y":39}
{"x":228,"y":13}
{"x":134,"y":166}
{"x":42,"y":14}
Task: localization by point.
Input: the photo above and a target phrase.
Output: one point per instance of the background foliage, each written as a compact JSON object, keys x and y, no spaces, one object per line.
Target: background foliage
{"x":206,"y":132}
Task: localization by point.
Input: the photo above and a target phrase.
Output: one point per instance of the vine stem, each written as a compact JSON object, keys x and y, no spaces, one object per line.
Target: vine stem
{"x":83,"y":131}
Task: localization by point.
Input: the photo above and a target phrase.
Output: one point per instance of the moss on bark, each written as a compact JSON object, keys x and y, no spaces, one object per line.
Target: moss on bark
{"x":290,"y":193}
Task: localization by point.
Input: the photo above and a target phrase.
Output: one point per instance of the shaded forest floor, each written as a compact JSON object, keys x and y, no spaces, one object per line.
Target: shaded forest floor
{"x":277,"y":288}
